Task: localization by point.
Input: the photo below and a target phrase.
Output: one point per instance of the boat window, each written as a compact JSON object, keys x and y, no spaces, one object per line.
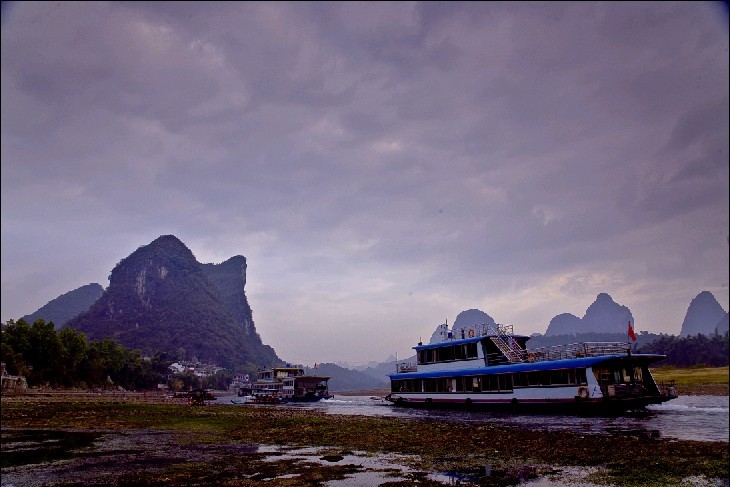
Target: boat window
{"x":627,"y":375}
{"x":610,"y":376}
{"x":520,"y":379}
{"x":407,"y":385}
{"x":436,"y":385}
{"x":445,"y":354}
{"x":558,"y":377}
{"x":495,"y":383}
{"x":505,"y":382}
{"x":638,"y":374}
{"x":546,"y":378}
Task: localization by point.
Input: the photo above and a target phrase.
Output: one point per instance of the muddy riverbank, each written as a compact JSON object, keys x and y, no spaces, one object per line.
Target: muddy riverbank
{"x":123,"y":439}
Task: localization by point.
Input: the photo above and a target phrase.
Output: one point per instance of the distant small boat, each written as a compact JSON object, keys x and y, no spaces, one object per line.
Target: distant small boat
{"x":197,"y":397}
{"x":286,"y":384}
{"x":243,"y":400}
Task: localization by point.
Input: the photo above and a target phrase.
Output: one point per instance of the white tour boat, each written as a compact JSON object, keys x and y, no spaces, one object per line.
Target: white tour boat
{"x":489,"y":366}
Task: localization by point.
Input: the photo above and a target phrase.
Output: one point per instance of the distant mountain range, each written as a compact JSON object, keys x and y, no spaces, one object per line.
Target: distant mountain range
{"x":344,"y":379}
{"x":161,"y":299}
{"x":603,"y":316}
{"x":67,"y":306}
{"x":704,"y":315}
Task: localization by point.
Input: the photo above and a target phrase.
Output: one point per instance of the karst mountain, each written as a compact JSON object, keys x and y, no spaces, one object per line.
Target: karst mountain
{"x":161,"y":299}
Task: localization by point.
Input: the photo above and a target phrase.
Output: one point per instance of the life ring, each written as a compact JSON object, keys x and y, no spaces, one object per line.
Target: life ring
{"x":531,"y":357}
{"x":471,"y":333}
{"x":583,"y":392}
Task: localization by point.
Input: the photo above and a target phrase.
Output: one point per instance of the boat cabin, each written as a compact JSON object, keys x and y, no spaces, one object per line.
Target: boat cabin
{"x":491,"y":366}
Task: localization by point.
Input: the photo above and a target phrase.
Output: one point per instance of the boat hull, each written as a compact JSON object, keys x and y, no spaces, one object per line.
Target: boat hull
{"x":602,"y":383}
{"x":575,"y":405}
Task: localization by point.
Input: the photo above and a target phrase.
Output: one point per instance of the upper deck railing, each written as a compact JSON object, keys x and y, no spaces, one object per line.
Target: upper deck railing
{"x":484,"y":329}
{"x":545,"y":354}
{"x":403,"y":367}
{"x":575,"y":350}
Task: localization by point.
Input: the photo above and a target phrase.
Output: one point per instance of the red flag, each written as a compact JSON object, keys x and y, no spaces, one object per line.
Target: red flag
{"x":632,"y":335}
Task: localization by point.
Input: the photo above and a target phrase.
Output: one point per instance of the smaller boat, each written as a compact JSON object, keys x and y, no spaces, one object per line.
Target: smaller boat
{"x":197,"y":397}
{"x":306,"y":388}
{"x":242,"y":400}
{"x":286,"y":384}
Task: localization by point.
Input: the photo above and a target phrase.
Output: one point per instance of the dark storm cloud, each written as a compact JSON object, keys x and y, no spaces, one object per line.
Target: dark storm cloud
{"x":403,"y":161}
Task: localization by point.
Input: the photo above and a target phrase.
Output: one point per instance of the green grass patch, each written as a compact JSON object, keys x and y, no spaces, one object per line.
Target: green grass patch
{"x":692,"y":376}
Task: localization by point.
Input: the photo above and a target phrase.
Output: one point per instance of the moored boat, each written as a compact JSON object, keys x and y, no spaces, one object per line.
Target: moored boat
{"x":286,"y":384}
{"x":489,"y":366}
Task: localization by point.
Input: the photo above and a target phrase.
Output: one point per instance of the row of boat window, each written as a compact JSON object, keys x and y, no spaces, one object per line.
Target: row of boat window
{"x":463,"y":351}
{"x":493,"y":382}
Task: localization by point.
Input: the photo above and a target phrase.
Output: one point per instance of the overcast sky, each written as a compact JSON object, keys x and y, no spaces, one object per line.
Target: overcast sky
{"x":382,"y":166}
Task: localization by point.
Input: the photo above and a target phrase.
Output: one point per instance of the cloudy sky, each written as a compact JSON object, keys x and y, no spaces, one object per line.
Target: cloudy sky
{"x":382,"y":166}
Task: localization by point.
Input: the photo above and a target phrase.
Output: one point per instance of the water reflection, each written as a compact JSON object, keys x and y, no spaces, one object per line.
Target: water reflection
{"x":25,"y":447}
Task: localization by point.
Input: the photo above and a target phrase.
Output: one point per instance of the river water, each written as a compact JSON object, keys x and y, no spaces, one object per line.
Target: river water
{"x":701,"y":418}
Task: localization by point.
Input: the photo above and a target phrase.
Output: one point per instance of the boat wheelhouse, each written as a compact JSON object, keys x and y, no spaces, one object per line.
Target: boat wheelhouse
{"x":286,"y":384}
{"x":488,"y":365}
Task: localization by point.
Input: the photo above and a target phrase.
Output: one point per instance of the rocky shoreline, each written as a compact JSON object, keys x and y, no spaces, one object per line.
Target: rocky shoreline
{"x":150,"y":439}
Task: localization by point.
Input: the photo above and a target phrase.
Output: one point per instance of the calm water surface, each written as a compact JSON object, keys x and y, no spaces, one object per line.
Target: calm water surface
{"x":702,"y":418}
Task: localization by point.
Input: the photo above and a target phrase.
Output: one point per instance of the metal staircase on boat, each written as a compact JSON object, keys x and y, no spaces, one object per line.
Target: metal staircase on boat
{"x":502,"y":338}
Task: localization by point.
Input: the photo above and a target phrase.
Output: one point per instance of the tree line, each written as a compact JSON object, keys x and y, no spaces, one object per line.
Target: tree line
{"x":66,"y":358}
{"x":693,"y":350}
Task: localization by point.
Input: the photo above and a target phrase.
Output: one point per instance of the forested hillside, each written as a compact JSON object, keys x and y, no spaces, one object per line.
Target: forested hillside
{"x":161,"y":299}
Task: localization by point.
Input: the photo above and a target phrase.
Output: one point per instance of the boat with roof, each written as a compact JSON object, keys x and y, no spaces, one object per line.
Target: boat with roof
{"x":489,"y":366}
{"x":286,"y":384}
